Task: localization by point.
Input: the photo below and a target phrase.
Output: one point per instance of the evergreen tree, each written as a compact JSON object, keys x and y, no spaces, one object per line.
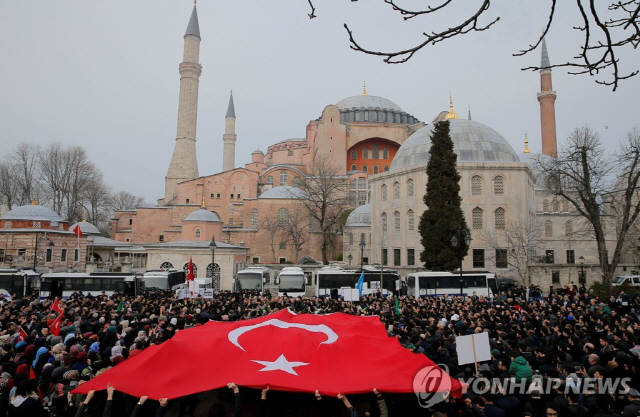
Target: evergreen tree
{"x":443,"y":217}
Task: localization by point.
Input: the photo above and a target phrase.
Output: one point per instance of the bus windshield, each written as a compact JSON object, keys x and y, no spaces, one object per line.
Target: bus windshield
{"x":291,"y":283}
{"x":620,"y":280}
{"x":161,"y":283}
{"x":249,"y":281}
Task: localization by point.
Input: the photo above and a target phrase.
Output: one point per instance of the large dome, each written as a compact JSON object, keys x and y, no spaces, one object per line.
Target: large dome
{"x":367,"y":102}
{"x":284,"y":191}
{"x":360,"y":217}
{"x":32,"y":212}
{"x":472,"y":141}
{"x":202,"y":215}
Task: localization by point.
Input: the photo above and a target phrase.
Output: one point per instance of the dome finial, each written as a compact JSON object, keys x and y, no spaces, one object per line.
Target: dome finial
{"x":84,"y":215}
{"x":34,"y":202}
{"x":364,"y":89}
{"x":451,"y":114}
{"x":526,"y":144}
{"x":203,"y":206}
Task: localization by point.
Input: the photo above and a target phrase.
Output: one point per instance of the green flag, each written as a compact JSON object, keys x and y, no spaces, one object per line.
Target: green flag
{"x":397,"y":307}
{"x":119,"y":309}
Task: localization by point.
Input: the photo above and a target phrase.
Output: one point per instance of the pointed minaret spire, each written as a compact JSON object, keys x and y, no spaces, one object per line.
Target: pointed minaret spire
{"x":547,"y":99}
{"x":184,"y":164}
{"x":229,"y":137}
{"x":469,"y":115}
{"x":193,"y":28}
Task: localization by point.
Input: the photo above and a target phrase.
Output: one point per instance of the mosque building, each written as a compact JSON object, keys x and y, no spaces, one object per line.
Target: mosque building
{"x":382,"y":151}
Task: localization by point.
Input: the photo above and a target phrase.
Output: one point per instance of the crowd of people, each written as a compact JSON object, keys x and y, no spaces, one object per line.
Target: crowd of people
{"x":567,"y":354}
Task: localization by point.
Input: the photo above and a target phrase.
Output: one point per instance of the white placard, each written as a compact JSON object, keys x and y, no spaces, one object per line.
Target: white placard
{"x":350,"y":294}
{"x":473,"y":348}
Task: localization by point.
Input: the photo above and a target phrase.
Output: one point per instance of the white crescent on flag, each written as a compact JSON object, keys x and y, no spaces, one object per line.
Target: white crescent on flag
{"x":314,"y":328}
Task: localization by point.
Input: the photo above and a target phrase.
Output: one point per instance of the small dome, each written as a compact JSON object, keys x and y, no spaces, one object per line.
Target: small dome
{"x":202,"y":215}
{"x":367,"y":102}
{"x":360,"y":217}
{"x":284,"y":192}
{"x":32,"y":212}
{"x":257,"y":151}
{"x":86,"y":228}
{"x":472,"y":142}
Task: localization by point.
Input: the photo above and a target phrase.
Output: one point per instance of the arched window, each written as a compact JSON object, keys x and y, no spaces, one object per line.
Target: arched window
{"x":376,"y":152}
{"x":296,"y":181}
{"x":476,"y":185}
{"x":354,"y":155}
{"x":269,"y":179}
{"x":254,"y":218}
{"x":565,"y":206}
{"x":195,"y":269}
{"x":365,"y":168}
{"x":386,"y":169}
{"x":365,"y":153}
{"x":350,"y":238}
{"x":354,"y":167}
{"x":362,"y":183}
{"x":568,"y":228}
{"x":548,"y":228}
{"x":396,"y":190}
{"x":363,"y":238}
{"x":555,"y":206}
{"x":197,"y":233}
{"x":384,"y":221}
{"x":385,"y":153}
{"x":284,"y":178}
{"x":476,"y":218}
{"x":166,"y":265}
{"x":409,"y":187}
{"x":498,"y":185}
{"x":375,"y":169}
{"x":499,"y":218}
{"x":545,"y":206}
{"x":213,"y":271}
{"x":283,"y":217}
{"x":411,"y":220}
{"x":384,"y":192}
{"x":396,"y":218}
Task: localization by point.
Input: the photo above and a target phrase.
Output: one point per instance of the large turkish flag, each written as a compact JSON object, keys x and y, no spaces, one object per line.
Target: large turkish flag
{"x":335,"y":353}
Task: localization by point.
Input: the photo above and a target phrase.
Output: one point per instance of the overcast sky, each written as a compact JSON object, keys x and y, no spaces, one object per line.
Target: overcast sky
{"x":105,"y":75}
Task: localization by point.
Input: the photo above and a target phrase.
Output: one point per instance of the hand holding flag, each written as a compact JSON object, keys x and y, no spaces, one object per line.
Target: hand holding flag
{"x":56,"y":307}
{"x":23,"y":335}
{"x":55,"y":326}
{"x":360,"y":284}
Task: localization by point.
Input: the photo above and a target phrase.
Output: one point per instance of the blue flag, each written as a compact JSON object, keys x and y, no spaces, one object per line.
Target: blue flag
{"x":360,"y":284}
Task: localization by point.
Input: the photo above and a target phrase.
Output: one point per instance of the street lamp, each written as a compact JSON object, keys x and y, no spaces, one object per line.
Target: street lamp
{"x":458,"y":238}
{"x":350,"y":258}
{"x":581,"y":259}
{"x":362,"y":245}
{"x":212,"y":246}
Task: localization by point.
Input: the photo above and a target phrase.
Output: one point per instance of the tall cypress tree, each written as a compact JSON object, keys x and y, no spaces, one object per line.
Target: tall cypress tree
{"x":443,"y":217}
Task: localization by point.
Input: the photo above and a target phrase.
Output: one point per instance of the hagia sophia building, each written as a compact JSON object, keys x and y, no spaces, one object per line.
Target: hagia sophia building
{"x":382,"y":151}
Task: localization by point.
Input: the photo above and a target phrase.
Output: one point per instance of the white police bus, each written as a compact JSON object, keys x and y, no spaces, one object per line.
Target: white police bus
{"x":163,"y":279}
{"x":63,"y":284}
{"x":18,"y":282}
{"x":329,"y":281}
{"x":254,"y":278}
{"x":291,"y":281}
{"x":435,"y":284}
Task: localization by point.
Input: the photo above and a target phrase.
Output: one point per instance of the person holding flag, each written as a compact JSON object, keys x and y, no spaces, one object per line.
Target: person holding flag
{"x":190,"y":276}
{"x":360,"y":284}
{"x":56,"y":307}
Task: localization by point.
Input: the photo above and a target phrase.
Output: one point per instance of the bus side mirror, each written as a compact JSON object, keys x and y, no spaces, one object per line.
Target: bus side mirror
{"x":277,"y":281}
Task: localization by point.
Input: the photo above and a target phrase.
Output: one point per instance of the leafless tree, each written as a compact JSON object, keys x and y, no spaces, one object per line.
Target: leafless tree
{"x":123,"y":200}
{"x":19,"y":174}
{"x":602,"y":188}
{"x":273,"y":227}
{"x":297,"y":228}
{"x":607,"y":27}
{"x":520,"y":240}
{"x":96,"y":203}
{"x":326,"y":198}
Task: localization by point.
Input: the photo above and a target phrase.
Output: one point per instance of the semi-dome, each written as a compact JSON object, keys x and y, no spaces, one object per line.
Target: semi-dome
{"x":284,"y":191}
{"x":86,"y":228}
{"x":32,"y":212}
{"x":202,"y":215}
{"x":360,"y":217}
{"x":472,"y":142}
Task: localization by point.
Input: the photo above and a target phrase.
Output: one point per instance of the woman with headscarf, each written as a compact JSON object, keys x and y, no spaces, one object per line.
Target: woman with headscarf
{"x":81,"y":362}
{"x":41,"y":351}
{"x":42,"y":360}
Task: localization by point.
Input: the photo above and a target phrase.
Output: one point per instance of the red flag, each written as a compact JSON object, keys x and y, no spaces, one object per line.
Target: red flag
{"x":56,"y":307}
{"x":23,"y":335}
{"x":32,"y":375}
{"x":286,"y":351}
{"x":77,"y":230}
{"x":190,"y":270}
{"x":55,"y":326}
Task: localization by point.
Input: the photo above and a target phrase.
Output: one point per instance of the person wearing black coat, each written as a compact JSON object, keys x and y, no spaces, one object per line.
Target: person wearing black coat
{"x":25,"y":402}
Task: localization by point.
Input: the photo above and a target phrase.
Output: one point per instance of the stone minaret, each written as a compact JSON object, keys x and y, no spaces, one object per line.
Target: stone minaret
{"x":547,"y":99}
{"x":229,"y":137}
{"x":184,"y":164}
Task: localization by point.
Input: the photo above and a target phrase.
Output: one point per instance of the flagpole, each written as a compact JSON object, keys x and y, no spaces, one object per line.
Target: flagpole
{"x":78,"y":259}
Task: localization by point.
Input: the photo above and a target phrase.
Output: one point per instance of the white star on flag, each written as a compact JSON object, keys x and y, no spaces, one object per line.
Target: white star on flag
{"x":281,"y":364}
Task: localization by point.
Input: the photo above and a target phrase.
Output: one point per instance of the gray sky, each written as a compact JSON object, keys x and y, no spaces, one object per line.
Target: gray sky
{"x":105,"y":75}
